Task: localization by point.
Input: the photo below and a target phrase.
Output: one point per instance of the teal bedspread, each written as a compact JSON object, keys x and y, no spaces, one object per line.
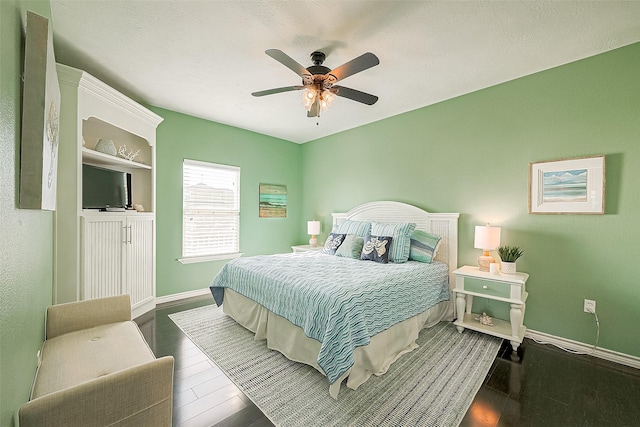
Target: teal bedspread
{"x":339,"y":302}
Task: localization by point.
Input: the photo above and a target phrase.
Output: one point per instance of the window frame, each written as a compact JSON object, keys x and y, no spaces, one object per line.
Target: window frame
{"x":190,"y":259}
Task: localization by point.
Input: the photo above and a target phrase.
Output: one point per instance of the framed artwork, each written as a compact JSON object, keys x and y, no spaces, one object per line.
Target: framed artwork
{"x":273,"y":201}
{"x":40,"y":118}
{"x":570,"y":186}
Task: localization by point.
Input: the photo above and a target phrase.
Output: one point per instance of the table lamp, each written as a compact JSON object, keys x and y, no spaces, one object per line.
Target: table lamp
{"x":313,"y":228}
{"x":486,"y":238}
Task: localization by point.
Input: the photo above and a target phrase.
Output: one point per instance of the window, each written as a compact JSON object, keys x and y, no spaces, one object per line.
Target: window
{"x":210,"y":211}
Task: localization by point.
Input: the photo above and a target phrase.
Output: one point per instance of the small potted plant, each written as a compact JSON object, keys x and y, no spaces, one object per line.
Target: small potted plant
{"x":509,"y":255}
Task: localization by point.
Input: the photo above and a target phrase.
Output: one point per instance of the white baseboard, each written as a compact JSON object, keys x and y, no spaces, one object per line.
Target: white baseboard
{"x":183,"y":295}
{"x":541,"y":337}
{"x":602,"y":353}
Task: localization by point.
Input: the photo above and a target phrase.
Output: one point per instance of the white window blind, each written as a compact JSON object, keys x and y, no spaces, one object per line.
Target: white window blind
{"x":211,"y":209}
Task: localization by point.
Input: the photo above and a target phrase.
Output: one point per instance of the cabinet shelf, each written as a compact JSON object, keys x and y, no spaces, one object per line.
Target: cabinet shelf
{"x":500,"y":328}
{"x":109,"y":160}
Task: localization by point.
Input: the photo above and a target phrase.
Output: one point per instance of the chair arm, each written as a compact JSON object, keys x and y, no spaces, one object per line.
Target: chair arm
{"x":138,"y":396}
{"x":74,"y":316}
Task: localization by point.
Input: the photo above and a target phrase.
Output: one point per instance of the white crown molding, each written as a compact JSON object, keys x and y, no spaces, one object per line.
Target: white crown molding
{"x":96,"y":87}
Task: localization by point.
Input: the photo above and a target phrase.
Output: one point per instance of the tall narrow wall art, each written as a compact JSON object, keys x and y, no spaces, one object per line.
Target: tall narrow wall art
{"x":40,"y":118}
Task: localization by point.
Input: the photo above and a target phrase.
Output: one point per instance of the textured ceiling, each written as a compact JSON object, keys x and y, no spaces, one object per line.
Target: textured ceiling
{"x":204,"y":58}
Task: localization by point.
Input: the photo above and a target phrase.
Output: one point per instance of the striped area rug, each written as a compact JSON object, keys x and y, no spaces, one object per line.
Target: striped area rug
{"x":432,"y":386}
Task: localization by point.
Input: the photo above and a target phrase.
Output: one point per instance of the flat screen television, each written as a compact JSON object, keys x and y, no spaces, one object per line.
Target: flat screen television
{"x":105,"y":188}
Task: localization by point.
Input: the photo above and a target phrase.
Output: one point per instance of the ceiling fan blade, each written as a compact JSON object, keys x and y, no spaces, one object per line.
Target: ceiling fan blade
{"x":276,"y":90}
{"x":361,"y":63}
{"x":315,"y":109}
{"x":288,"y":62}
{"x":355,"y":95}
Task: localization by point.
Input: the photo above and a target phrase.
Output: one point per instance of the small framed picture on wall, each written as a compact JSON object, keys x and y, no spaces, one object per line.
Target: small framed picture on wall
{"x":569,"y":186}
{"x":273,"y":201}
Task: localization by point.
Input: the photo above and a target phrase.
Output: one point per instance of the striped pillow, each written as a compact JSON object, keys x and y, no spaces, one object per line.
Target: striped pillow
{"x":400,"y":244}
{"x":424,"y":246}
{"x":359,"y":228}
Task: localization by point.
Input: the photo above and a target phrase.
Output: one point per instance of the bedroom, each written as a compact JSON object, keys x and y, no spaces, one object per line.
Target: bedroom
{"x":587,"y":107}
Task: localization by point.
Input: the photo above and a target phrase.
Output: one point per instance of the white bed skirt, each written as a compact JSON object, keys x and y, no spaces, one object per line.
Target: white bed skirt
{"x":290,"y":340}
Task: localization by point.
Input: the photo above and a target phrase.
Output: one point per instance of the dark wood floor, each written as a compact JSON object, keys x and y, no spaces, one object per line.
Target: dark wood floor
{"x":202,"y":395}
{"x":546,"y":387}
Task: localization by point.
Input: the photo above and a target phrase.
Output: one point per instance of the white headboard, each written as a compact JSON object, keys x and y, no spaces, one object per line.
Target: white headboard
{"x":444,"y":225}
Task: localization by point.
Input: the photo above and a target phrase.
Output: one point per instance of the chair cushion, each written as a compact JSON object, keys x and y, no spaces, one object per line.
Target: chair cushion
{"x":76,"y":357}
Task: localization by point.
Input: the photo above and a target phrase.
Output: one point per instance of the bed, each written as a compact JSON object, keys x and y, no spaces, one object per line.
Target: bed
{"x":347,"y":318}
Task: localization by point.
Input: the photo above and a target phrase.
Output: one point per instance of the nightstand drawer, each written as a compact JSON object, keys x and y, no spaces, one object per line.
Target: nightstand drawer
{"x":486,"y":287}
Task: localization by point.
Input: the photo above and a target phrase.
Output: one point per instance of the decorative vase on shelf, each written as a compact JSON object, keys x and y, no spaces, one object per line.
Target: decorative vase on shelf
{"x":508,"y":267}
{"x":106,"y":146}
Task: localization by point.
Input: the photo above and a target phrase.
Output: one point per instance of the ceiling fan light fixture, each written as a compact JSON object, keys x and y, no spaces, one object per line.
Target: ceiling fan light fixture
{"x":318,"y":90}
{"x":308,"y":98}
{"x":326,"y":99}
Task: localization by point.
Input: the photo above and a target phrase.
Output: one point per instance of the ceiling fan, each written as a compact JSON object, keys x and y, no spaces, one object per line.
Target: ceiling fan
{"x":319,"y":82}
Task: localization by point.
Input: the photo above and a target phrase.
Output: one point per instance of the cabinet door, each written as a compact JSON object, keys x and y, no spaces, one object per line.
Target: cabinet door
{"x":103,"y":249}
{"x":140,"y":268}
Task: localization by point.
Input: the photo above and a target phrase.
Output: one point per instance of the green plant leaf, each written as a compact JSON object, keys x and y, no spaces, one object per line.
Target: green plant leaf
{"x":510,"y":253}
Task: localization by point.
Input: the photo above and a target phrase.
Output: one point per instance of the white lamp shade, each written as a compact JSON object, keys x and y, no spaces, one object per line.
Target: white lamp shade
{"x":313,"y":227}
{"x":487,"y":237}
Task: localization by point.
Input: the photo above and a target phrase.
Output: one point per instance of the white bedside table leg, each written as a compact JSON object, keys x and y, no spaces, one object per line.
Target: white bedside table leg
{"x":515,"y":316}
{"x":461,"y":302}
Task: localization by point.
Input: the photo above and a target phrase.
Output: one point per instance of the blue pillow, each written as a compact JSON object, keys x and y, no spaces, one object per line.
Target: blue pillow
{"x":424,"y":246}
{"x":376,"y":249}
{"x":401,"y":233}
{"x":351,"y":247}
{"x":359,"y":228}
{"x":333,"y":243}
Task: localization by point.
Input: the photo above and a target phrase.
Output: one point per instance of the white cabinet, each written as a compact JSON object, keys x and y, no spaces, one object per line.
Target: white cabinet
{"x":117,"y":258}
{"x":90,"y":111}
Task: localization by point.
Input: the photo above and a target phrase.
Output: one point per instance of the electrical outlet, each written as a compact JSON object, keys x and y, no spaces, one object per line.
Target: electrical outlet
{"x":589,"y":306}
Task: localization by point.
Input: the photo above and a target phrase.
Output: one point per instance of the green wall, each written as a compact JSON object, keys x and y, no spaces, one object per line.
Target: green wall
{"x":470,"y":155}
{"x":26,"y":274}
{"x":261,"y":158}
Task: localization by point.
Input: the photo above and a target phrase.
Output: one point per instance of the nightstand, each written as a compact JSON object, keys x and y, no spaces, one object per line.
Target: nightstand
{"x":508,"y":288}
{"x":305,"y":248}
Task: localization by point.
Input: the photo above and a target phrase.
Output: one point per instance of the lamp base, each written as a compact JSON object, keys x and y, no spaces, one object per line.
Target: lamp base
{"x":484,"y":260}
{"x":313,"y":241}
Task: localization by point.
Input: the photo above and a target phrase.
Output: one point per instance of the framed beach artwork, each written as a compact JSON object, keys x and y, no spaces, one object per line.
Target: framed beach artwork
{"x":273,"y":201}
{"x":40,"y":118}
{"x":570,"y":186}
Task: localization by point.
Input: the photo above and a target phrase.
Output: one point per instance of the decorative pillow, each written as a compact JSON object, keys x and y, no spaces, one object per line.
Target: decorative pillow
{"x":359,"y":228}
{"x":351,"y":247}
{"x":376,"y":249}
{"x":333,"y":243}
{"x":401,"y":233}
{"x":424,"y":246}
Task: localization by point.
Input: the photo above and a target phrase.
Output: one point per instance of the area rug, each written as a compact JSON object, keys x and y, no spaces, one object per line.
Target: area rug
{"x":433,"y":385}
